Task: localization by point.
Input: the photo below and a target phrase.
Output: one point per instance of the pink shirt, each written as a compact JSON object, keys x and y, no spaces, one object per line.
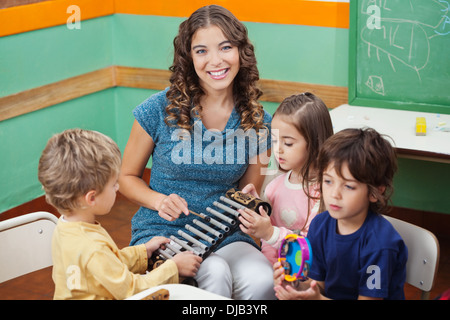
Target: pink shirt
{"x":289,"y":212}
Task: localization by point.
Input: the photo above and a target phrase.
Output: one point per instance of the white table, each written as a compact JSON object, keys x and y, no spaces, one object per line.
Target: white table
{"x":400,"y":125}
{"x":180,"y":292}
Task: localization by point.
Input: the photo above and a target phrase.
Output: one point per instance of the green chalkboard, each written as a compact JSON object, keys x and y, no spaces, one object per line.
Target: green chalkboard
{"x":400,"y":54}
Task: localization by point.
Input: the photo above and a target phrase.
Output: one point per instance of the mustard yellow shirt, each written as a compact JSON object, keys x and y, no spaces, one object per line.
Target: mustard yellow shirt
{"x":87,"y":264}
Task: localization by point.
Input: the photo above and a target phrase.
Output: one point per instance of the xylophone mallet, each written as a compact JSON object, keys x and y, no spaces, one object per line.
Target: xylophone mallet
{"x":211,"y":220}
{"x":201,"y":215}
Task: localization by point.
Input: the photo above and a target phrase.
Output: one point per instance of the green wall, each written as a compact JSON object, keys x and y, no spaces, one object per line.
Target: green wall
{"x":40,"y":57}
{"x":23,"y":138}
{"x":32,"y":59}
{"x":315,"y":55}
{"x":37,"y":58}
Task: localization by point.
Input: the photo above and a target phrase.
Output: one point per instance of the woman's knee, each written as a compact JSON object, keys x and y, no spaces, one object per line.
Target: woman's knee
{"x":215,"y":276}
{"x":252,"y":272}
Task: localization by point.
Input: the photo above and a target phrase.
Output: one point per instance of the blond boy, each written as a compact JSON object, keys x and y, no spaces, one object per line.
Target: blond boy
{"x":78,"y":170}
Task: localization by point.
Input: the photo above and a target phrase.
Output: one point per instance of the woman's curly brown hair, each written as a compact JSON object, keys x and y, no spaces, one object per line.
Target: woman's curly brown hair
{"x":185,"y":91}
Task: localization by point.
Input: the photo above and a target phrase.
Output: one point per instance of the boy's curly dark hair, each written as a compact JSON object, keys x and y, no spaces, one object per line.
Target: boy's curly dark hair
{"x":370,"y":157}
{"x":185,"y":92}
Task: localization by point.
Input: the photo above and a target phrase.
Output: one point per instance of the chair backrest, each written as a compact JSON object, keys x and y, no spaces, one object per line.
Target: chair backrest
{"x":423,"y":255}
{"x":25,"y":244}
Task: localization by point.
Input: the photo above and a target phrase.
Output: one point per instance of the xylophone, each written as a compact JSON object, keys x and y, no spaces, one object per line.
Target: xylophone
{"x":213,"y":228}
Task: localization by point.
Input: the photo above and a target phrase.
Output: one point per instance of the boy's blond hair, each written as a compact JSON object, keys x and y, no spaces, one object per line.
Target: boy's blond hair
{"x":75,"y":162}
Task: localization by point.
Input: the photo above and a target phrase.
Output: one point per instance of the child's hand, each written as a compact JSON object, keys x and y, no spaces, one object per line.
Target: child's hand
{"x":250,"y":189}
{"x":289,"y":293}
{"x":278,"y":274}
{"x":283,"y":290}
{"x":154,"y":244}
{"x":187,"y":263}
{"x":256,"y":225}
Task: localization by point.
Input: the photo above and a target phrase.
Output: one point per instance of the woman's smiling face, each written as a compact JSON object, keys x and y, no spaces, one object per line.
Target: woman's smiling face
{"x":216,"y":60}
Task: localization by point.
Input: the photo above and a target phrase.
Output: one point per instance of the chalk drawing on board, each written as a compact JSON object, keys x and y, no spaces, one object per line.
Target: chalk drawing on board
{"x":375,"y":83}
{"x":406,"y":38}
{"x":444,"y":28}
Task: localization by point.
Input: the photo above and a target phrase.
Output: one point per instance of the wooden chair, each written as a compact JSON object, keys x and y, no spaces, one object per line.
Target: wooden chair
{"x":423,"y":255}
{"x":25,"y":244}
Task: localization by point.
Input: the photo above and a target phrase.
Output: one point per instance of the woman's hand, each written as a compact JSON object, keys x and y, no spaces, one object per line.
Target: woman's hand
{"x":171,"y":207}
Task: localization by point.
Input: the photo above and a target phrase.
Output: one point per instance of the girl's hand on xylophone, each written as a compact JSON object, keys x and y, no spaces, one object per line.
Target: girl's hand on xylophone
{"x":256,"y":225}
{"x":250,"y":189}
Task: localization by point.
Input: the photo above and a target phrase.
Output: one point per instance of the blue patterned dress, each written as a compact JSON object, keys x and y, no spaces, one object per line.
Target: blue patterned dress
{"x":199,"y":166}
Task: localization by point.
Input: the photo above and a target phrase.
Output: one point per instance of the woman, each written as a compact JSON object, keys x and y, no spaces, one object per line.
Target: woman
{"x":189,"y":130}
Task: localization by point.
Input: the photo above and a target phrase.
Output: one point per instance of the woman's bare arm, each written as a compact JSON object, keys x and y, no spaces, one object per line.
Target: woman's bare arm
{"x":135,"y":158}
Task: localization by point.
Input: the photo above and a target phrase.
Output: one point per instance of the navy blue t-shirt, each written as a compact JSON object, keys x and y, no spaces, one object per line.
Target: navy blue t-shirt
{"x":369,"y":262}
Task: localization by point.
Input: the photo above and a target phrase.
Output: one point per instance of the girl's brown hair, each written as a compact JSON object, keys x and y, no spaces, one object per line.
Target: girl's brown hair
{"x":185,"y":92}
{"x":310,"y":116}
{"x":371,"y":160}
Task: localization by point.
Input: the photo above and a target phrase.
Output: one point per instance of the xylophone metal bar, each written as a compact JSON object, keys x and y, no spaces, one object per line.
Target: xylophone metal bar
{"x":200,"y":234}
{"x":185,"y":246}
{"x":209,"y":229}
{"x":173,"y":248}
{"x":221,"y":216}
{"x":232,"y":203}
{"x":218,"y":224}
{"x":227,"y":209}
{"x":193,"y":240}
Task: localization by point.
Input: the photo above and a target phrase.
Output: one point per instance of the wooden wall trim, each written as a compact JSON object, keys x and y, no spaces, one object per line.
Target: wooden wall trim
{"x":155,"y":79}
{"x":48,"y":95}
{"x":277,"y":90}
{"x":274,"y":90}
